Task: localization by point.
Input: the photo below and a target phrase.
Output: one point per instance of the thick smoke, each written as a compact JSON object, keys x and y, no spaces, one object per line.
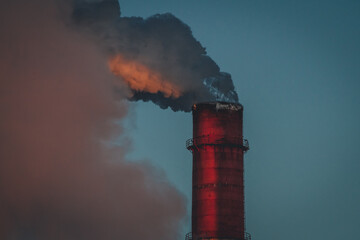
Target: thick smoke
{"x":161,"y":42}
{"x":60,"y":179}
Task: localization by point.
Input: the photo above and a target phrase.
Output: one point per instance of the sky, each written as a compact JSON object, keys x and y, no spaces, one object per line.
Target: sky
{"x":296,"y":68}
{"x":79,"y":161}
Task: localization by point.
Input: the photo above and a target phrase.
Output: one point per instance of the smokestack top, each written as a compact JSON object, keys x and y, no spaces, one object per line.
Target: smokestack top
{"x":218,"y":105}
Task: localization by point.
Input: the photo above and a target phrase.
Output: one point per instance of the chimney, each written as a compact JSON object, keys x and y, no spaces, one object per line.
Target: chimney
{"x":218,"y":151}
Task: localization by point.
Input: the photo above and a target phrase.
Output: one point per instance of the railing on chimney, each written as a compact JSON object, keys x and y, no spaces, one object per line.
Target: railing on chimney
{"x":190,"y":236}
{"x":217,"y":140}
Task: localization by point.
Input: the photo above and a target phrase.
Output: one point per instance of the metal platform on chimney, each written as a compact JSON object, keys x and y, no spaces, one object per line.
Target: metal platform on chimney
{"x":217,"y":140}
{"x":191,"y":236}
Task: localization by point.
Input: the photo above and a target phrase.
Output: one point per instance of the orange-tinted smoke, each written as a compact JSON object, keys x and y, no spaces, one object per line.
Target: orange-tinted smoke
{"x":141,"y":78}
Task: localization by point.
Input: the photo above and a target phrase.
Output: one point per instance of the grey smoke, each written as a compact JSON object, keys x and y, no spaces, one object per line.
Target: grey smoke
{"x":60,"y":179}
{"x":162,"y":42}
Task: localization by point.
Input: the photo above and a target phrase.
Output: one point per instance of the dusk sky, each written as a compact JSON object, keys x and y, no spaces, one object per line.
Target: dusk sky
{"x":78,"y":161}
{"x":296,"y":68}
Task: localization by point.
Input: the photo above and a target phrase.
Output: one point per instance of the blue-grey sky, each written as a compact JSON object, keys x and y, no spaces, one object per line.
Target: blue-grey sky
{"x":296,"y":67}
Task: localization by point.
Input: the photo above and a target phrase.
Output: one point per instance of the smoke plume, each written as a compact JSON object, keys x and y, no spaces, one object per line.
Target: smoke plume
{"x":60,"y":178}
{"x":172,"y":67}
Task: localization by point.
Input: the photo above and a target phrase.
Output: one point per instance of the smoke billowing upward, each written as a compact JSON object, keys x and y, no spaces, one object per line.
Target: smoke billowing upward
{"x":60,"y":178}
{"x":161,"y":44}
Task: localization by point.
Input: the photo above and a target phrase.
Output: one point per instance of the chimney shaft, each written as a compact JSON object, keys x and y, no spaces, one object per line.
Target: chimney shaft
{"x":218,"y":186}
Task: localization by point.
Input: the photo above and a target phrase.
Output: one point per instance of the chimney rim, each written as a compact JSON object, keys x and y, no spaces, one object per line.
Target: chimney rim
{"x":219,"y":105}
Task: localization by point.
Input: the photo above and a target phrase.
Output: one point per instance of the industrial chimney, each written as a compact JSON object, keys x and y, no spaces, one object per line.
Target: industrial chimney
{"x":218,"y":172}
